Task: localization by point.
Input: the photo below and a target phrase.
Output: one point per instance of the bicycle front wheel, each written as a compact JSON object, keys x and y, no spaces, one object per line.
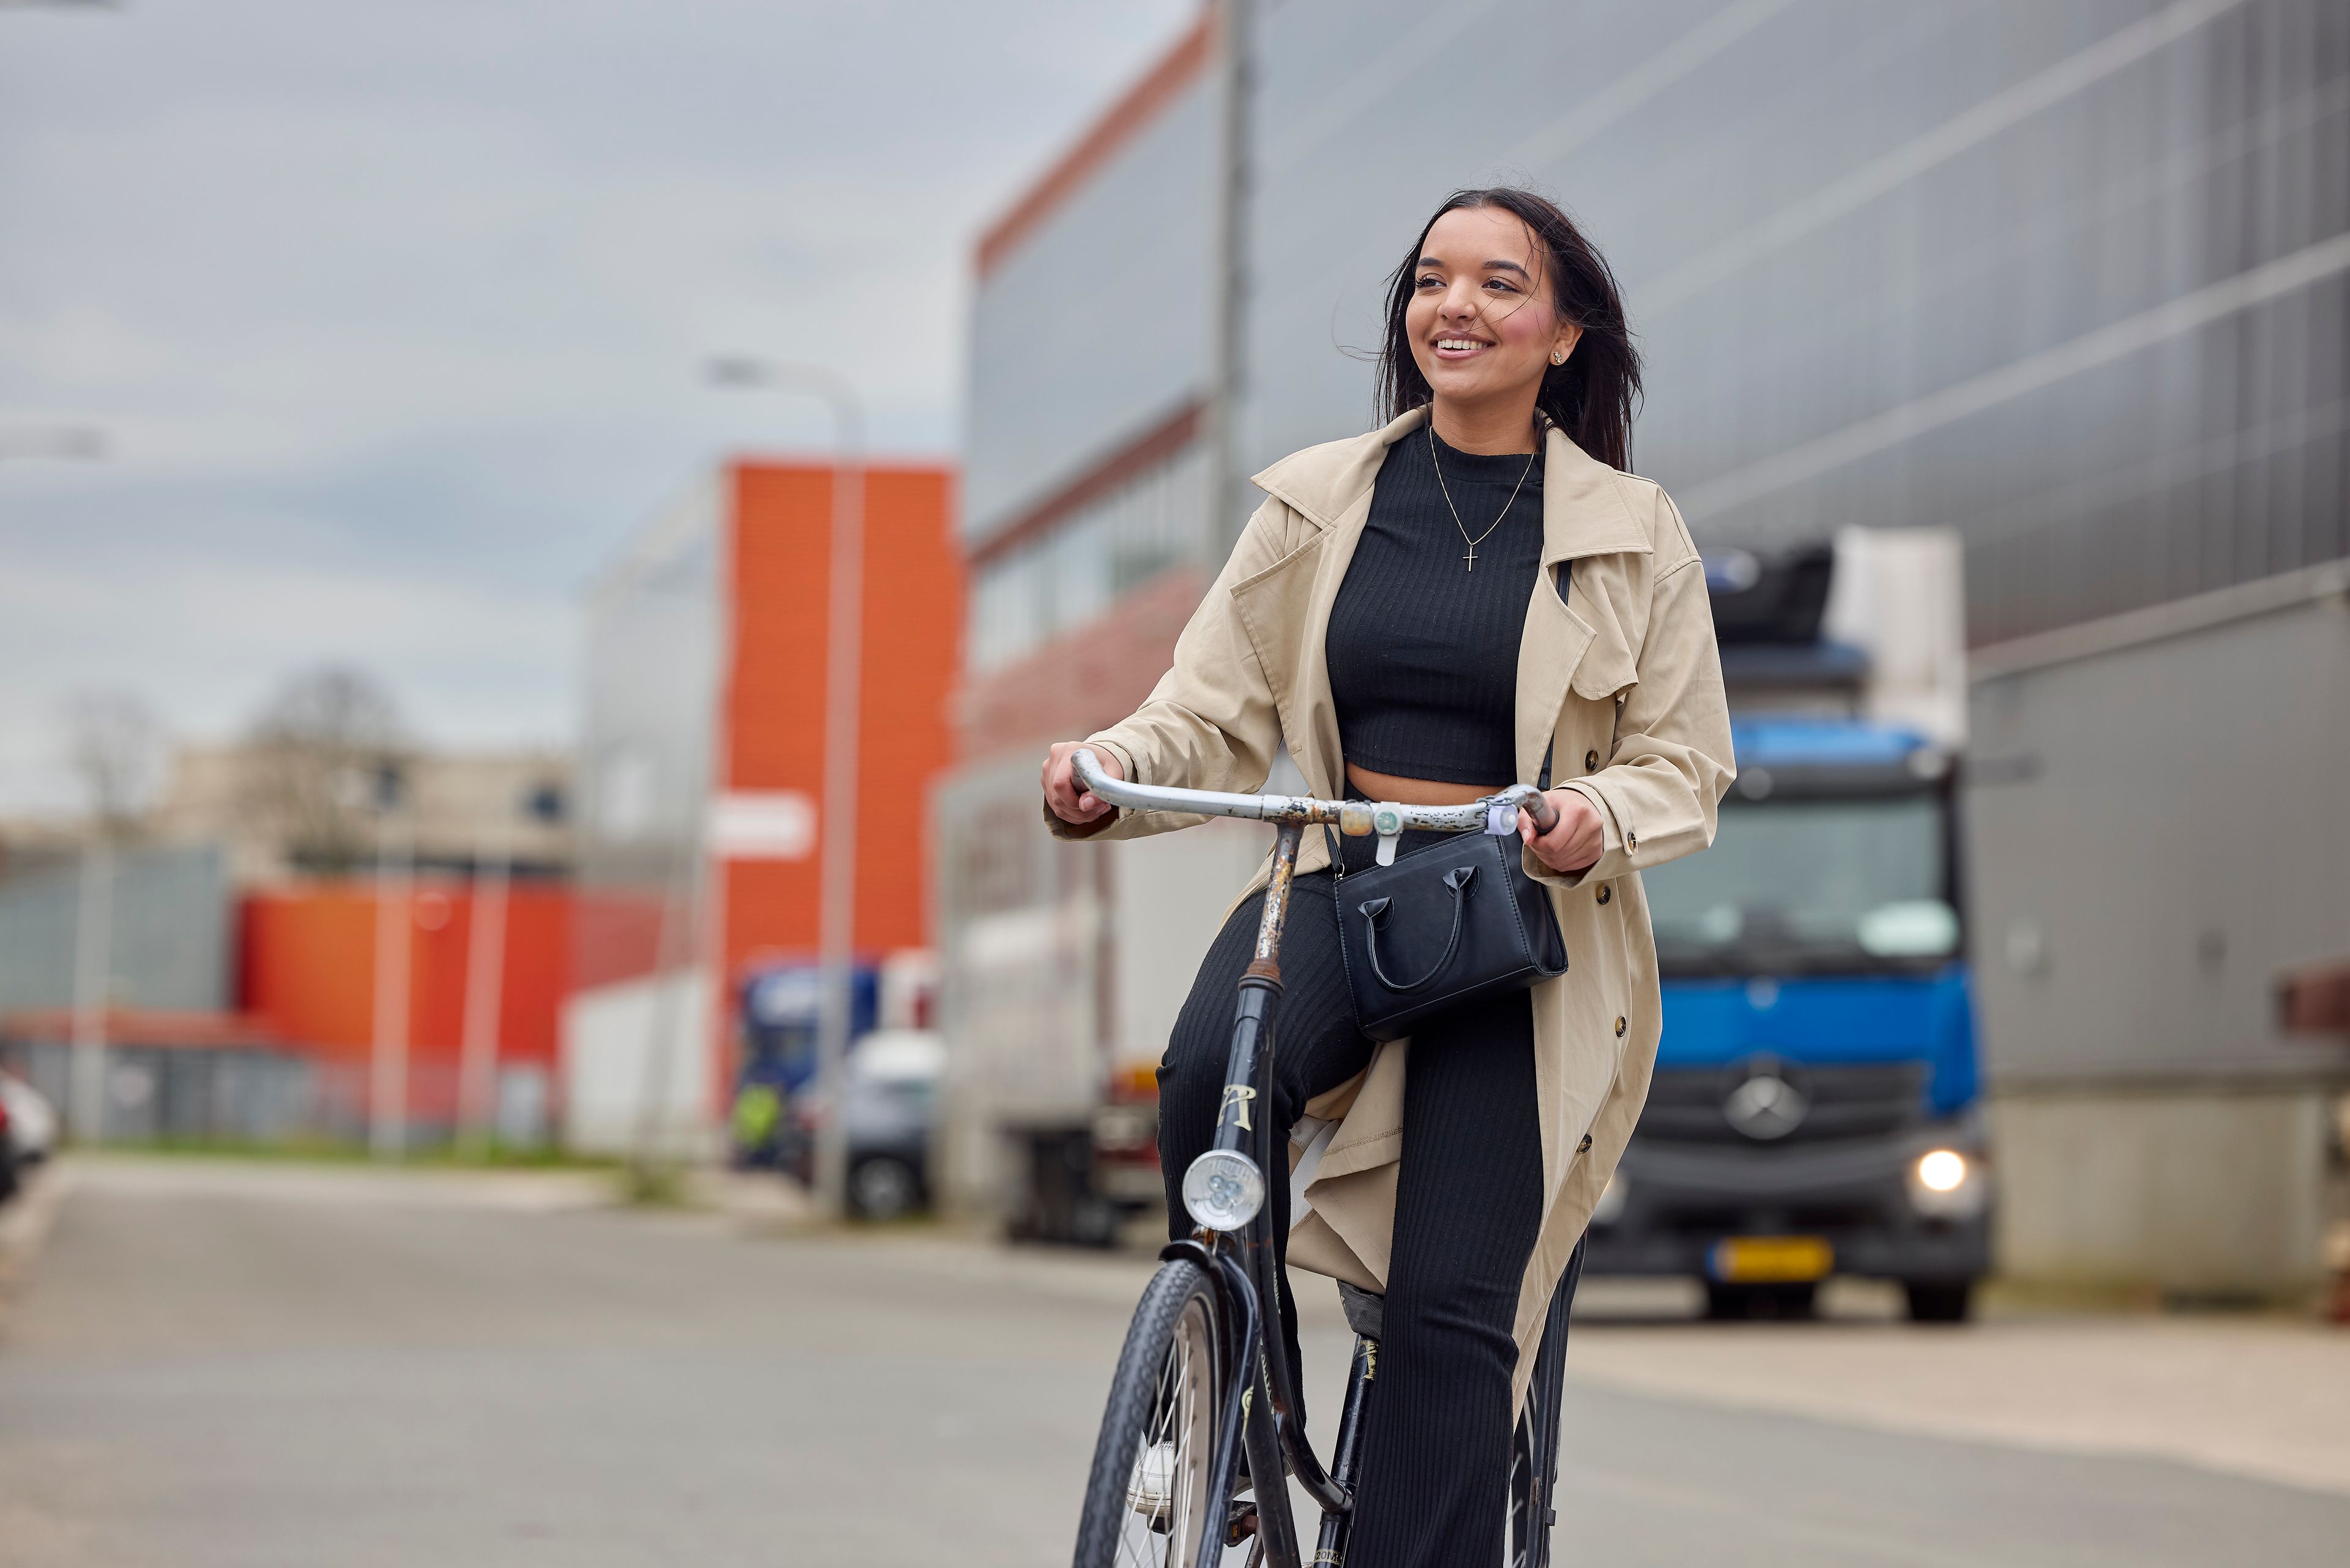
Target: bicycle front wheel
{"x":1148,"y":1502}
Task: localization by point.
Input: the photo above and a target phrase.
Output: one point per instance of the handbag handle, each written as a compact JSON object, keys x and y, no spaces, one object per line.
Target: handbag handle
{"x":1458,"y":879}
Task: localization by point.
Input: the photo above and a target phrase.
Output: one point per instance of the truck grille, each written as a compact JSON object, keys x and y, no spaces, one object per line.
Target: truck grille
{"x":1685,"y":1105}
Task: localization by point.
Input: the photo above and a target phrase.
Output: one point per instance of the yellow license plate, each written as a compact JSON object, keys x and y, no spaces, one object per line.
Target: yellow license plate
{"x":1770,"y":1260}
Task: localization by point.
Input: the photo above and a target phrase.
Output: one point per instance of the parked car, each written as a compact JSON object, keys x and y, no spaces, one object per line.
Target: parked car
{"x":893,"y":1083}
{"x":32,"y":1123}
{"x":27,"y":1130}
{"x":11,"y":1168}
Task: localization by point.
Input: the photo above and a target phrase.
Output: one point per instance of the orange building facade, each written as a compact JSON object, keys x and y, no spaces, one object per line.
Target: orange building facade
{"x":771,"y":739}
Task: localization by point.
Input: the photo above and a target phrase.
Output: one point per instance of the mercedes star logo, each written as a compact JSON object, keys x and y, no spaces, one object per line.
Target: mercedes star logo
{"x":1766,"y":1105}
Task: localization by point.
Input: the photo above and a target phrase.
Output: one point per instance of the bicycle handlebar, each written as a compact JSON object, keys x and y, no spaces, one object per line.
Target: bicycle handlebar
{"x":1495,"y":814}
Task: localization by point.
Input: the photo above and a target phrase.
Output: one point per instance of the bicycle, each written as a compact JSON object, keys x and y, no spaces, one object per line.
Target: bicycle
{"x":1197,"y":1384}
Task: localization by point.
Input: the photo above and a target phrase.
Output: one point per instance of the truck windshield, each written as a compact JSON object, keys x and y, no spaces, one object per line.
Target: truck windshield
{"x":1809,"y":884}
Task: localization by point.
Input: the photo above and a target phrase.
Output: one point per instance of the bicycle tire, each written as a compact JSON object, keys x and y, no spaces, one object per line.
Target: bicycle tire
{"x":1177,"y":1318}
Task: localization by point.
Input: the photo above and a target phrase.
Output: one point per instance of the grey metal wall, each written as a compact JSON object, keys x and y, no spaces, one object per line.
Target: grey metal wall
{"x":653,"y":627}
{"x":173,"y":937}
{"x":1096,"y":327}
{"x":2158,"y":831}
{"x":2070,"y":279}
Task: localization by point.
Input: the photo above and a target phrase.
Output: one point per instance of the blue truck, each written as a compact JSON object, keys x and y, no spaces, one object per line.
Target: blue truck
{"x":1815,"y":1109}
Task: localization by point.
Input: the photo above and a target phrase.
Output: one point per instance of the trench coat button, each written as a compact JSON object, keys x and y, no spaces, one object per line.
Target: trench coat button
{"x":1631,"y":841}
{"x":1603,"y":892}
{"x":1620,"y":1028}
{"x":1585,"y":1146}
{"x":1590,"y":762}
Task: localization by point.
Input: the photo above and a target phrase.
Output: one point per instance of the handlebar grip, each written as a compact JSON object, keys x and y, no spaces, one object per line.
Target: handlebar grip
{"x":1546,"y":814}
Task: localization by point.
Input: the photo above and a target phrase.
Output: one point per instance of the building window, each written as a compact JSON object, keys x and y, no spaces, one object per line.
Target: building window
{"x":1073,"y":574}
{"x":545,"y":804}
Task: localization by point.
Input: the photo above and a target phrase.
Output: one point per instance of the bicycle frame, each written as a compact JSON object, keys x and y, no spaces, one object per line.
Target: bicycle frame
{"x":1259,"y":1402}
{"x":1262,"y":1404}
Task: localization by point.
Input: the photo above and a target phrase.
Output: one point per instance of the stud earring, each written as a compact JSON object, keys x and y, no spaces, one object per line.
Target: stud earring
{"x":1557,"y":359}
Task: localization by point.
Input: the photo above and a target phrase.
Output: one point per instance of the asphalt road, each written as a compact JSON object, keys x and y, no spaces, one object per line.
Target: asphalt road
{"x":282,"y":1373}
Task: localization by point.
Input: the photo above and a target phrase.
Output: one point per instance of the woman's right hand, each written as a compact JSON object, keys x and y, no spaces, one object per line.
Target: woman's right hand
{"x":1068,"y":800}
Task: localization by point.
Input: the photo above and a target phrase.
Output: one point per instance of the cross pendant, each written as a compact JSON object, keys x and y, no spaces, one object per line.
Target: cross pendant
{"x":1471,"y":557}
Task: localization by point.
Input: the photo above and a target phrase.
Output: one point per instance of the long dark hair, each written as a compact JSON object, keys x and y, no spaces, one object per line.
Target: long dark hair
{"x":1591,"y":397}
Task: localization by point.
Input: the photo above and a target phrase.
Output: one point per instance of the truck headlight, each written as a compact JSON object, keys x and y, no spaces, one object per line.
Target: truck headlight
{"x":1224,"y":1189}
{"x":1946,"y":1185}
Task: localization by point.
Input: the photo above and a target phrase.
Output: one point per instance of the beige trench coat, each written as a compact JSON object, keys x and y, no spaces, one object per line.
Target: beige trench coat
{"x":1620,"y":676}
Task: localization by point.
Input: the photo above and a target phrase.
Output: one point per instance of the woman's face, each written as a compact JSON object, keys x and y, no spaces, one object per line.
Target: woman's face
{"x":1481,"y":320}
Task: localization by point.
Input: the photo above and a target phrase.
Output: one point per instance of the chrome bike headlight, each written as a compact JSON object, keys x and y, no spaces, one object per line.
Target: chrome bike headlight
{"x":1224,"y":1189}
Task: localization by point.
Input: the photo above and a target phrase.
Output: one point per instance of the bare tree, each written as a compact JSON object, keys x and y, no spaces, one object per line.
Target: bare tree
{"x":330,"y":754}
{"x":115,"y":744}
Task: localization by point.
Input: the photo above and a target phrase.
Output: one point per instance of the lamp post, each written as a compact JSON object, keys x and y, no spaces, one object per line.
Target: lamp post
{"x":844,"y":633}
{"x":93,"y":982}
{"x":395,"y":932}
{"x":485,"y":968}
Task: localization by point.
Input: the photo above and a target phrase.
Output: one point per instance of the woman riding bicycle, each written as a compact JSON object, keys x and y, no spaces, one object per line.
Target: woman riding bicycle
{"x":1477,"y":594}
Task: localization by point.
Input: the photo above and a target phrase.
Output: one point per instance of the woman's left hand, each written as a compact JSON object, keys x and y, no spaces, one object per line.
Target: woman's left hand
{"x":1575,"y":841}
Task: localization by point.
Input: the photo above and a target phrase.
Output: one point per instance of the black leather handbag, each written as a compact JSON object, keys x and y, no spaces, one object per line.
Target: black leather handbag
{"x":1457,"y":920}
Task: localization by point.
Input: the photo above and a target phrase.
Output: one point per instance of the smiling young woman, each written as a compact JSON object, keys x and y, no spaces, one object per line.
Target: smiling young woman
{"x":1477,"y":593}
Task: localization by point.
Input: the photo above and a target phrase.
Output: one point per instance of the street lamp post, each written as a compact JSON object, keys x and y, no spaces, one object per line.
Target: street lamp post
{"x":843,"y":635}
{"x":485,"y":968}
{"x":395,"y":932}
{"x":93,"y":983}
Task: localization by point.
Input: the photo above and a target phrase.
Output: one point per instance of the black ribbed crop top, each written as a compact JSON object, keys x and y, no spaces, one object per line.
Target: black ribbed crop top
{"x":1422,"y":645}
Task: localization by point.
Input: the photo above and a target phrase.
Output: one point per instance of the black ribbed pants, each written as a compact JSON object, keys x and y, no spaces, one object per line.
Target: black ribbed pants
{"x":1435,"y":1460}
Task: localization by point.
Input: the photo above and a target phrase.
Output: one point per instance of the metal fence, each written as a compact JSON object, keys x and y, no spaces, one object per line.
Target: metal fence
{"x":262,"y":1096}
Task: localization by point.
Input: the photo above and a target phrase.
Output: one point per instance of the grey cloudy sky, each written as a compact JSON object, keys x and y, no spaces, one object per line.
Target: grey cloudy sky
{"x":393,"y":314}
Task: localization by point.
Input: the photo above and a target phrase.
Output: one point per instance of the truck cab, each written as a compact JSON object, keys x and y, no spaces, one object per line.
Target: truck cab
{"x":1815,"y":1108}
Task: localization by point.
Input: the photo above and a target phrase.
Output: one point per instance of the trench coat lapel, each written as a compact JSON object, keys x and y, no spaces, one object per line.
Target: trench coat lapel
{"x":1584,"y":514}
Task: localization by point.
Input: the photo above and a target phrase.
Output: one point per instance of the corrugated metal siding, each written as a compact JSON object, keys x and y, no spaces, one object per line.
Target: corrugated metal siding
{"x":1096,"y":326}
{"x":650,"y":735}
{"x":171,"y":932}
{"x":2070,"y":279}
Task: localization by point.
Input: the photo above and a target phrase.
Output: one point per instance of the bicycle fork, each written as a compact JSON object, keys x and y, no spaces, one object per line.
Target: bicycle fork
{"x":1271,"y":1430}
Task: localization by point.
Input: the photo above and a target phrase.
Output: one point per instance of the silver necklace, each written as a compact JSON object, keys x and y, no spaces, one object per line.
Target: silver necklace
{"x":1513,"y":501}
